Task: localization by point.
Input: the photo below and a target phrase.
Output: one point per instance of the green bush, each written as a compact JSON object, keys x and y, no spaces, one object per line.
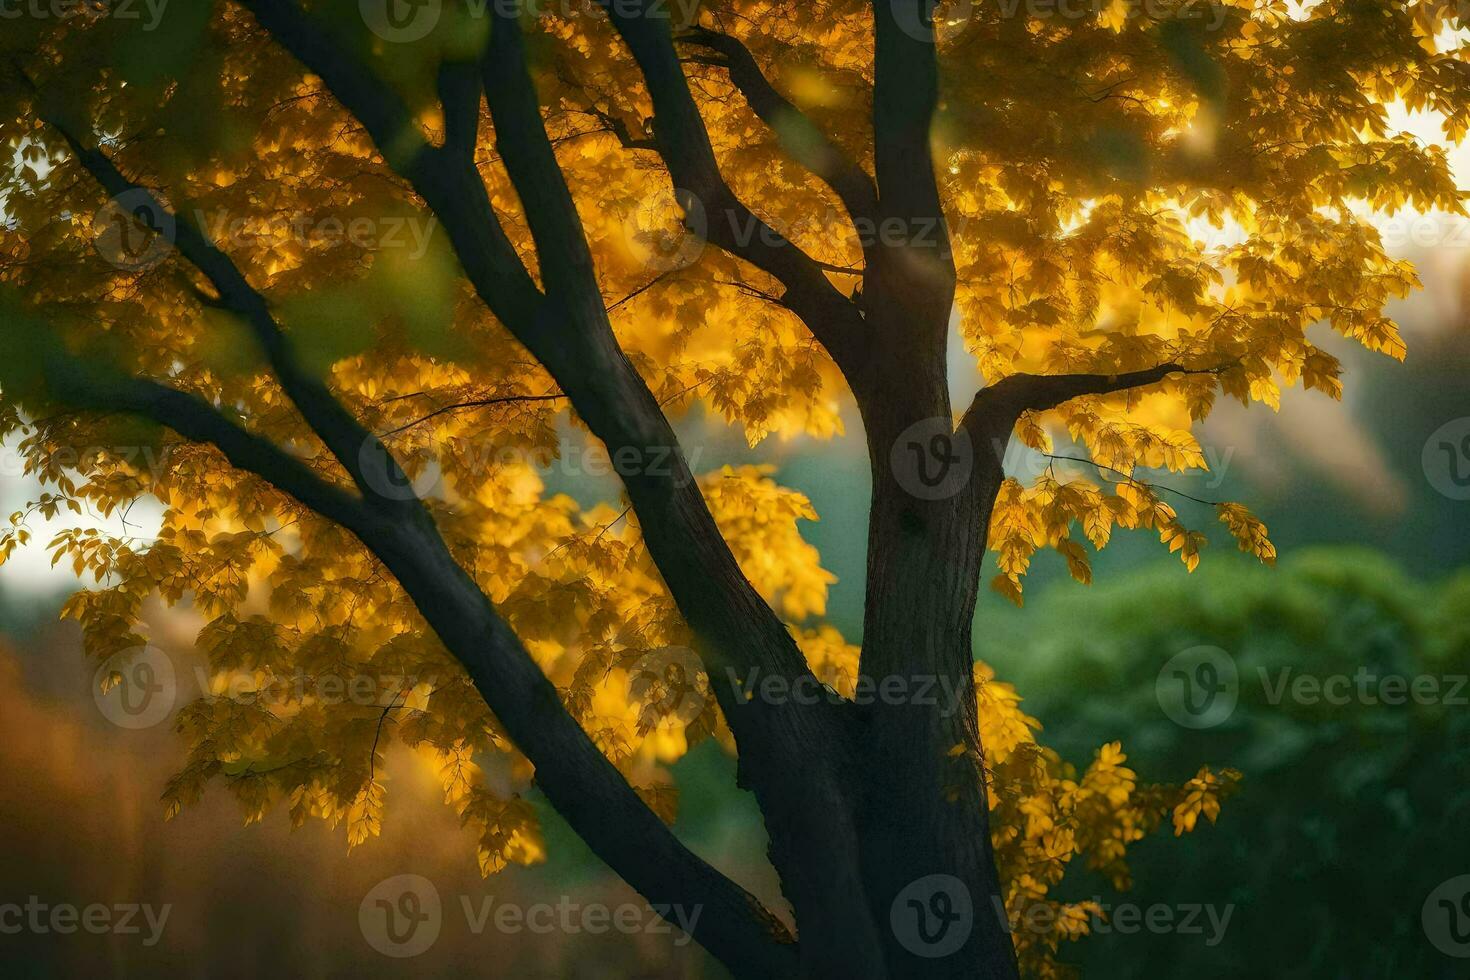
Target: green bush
{"x":1350,"y":813}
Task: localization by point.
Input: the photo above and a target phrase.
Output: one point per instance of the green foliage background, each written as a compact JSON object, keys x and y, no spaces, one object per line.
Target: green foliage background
{"x":1350,"y":814}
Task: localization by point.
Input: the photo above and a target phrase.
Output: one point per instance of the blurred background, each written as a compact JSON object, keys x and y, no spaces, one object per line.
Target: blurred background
{"x":1350,"y":816}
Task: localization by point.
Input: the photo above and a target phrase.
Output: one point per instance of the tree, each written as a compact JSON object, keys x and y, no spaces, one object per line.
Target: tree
{"x":762,"y":210}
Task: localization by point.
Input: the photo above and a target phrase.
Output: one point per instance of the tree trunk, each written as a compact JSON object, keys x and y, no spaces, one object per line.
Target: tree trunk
{"x":924,"y":826}
{"x":928,"y":866}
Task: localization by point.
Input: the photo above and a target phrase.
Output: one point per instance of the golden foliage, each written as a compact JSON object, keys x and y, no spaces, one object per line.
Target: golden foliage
{"x":1121,"y":192}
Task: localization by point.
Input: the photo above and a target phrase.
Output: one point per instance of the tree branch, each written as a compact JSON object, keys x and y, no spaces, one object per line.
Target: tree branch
{"x":994,"y":412}
{"x":459,"y":94}
{"x":474,"y":403}
{"x":451,"y":187}
{"x":1040,"y":392}
{"x":1129,"y":477}
{"x":567,"y":330}
{"x":614,"y":401}
{"x":911,"y":278}
{"x":684,"y":144}
{"x":374,"y":103}
{"x":790,"y":755}
{"x":905,"y":97}
{"x":347,"y":440}
{"x":798,"y":135}
{"x":84,"y":385}
{"x":577,"y":778}
{"x":614,"y":124}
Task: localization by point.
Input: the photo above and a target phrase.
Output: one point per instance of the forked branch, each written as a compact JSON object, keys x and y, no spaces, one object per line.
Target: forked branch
{"x":801,"y":138}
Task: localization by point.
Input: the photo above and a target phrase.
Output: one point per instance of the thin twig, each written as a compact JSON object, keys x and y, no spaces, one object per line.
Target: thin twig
{"x":643,"y":288}
{"x":1129,"y":477}
{"x":603,"y":530}
{"x":378,"y":733}
{"x":476,"y":403}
